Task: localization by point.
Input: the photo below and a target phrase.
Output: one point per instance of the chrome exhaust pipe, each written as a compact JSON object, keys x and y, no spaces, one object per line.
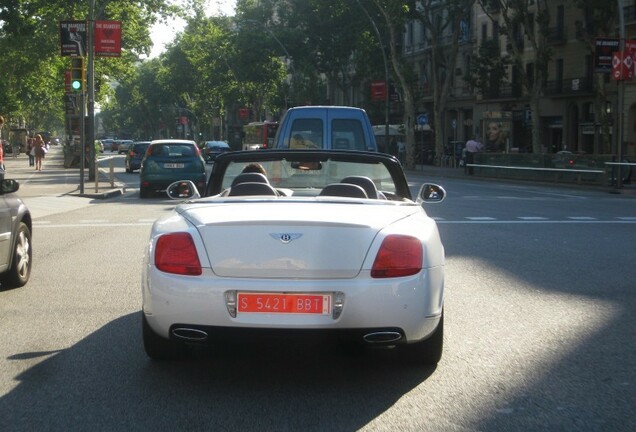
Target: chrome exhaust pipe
{"x":189,"y":334}
{"x":384,"y":337}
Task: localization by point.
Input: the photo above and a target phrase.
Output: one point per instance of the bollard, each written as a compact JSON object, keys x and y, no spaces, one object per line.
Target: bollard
{"x":112,"y":173}
{"x":96,"y":178}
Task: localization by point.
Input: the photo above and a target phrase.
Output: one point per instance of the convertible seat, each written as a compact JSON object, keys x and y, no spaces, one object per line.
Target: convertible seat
{"x":343,"y":190}
{"x":250,"y":177}
{"x":252,"y":188}
{"x":365,"y":183}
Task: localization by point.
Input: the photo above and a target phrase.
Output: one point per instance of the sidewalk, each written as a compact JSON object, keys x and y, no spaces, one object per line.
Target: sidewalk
{"x":54,"y":179}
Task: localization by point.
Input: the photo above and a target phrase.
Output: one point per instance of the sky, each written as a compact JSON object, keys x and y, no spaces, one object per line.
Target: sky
{"x":163,"y":33}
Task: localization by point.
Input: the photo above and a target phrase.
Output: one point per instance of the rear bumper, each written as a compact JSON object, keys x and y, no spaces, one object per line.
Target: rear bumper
{"x":410,"y":306}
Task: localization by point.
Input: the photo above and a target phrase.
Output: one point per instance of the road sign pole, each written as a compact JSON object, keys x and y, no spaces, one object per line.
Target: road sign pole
{"x":90,"y":77}
{"x":82,"y":139}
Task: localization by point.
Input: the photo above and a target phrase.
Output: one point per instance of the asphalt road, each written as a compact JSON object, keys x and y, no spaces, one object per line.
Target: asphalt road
{"x":540,"y":329}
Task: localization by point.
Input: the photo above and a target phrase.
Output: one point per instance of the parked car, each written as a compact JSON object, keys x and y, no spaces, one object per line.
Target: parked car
{"x":325,"y":244}
{"x":211,"y":149}
{"x":107,"y":143}
{"x":326,"y":127}
{"x":135,"y":155}
{"x":114,"y":146}
{"x":15,"y":244}
{"x":124,"y":146}
{"x":167,"y":161}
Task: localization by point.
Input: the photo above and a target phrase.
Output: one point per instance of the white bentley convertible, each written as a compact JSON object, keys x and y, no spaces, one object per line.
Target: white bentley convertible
{"x":319,"y":242}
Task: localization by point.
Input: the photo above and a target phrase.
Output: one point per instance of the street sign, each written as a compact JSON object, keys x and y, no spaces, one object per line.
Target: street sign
{"x":108,"y":38}
{"x":454,"y":123}
{"x":422,"y":119}
{"x":73,"y":35}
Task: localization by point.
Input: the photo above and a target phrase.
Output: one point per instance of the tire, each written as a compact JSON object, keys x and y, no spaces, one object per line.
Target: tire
{"x":20,"y":271}
{"x":158,"y":348}
{"x":429,"y":351}
{"x":144,"y":192}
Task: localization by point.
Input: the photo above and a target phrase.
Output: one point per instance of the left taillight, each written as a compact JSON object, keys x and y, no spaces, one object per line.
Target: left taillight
{"x":399,"y":255}
{"x":175,"y":253}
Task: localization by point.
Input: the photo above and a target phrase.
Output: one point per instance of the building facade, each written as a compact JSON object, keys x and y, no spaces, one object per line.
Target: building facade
{"x":578,"y":107}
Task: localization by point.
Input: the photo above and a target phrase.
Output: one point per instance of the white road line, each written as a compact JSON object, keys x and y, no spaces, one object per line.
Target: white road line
{"x":94,"y":225}
{"x":93,"y":221}
{"x":581,"y":218}
{"x":627,"y":218}
{"x":561,"y":222}
{"x":481,"y":218}
{"x":532,"y":218}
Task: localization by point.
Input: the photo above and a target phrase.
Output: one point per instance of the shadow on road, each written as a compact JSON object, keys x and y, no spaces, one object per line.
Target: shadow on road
{"x":297,"y":387}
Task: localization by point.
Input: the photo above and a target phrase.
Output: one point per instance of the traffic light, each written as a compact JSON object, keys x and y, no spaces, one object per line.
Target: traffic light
{"x":78,"y":74}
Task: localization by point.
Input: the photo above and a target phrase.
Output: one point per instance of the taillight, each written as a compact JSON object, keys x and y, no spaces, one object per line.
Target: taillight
{"x":176,"y":253}
{"x":399,"y":255}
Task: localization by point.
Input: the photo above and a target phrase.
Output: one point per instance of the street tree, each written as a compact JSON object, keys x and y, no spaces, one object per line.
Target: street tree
{"x":446,"y":29}
{"x":520,"y":21}
{"x":395,"y":14}
{"x":600,"y":22}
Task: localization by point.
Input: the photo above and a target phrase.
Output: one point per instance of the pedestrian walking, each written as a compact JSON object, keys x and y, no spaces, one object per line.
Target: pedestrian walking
{"x":39,"y":152}
{"x":2,"y":155}
{"x":472,"y":146}
{"x":31,"y":150}
{"x":1,"y":143}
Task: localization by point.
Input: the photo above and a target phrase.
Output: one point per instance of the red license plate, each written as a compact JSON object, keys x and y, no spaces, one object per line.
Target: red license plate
{"x":315,"y":304}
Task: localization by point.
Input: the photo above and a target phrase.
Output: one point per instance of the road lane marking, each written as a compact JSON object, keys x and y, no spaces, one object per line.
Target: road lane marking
{"x":581,"y":218}
{"x":532,"y":218}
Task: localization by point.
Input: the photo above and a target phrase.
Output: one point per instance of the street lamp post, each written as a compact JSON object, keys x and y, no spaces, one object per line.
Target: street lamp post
{"x":621,"y":100}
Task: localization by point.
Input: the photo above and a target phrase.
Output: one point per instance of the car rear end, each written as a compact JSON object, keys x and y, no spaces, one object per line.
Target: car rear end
{"x":135,"y":155}
{"x":328,"y":268}
{"x":168,"y":161}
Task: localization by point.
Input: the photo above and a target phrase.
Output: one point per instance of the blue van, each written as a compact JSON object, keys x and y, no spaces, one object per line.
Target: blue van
{"x":325,"y":127}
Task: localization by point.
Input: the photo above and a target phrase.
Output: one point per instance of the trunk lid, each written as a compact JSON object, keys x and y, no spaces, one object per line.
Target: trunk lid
{"x":290,"y":241}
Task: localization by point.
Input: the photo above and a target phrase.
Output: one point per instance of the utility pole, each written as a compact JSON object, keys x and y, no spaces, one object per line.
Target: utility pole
{"x":90,"y":77}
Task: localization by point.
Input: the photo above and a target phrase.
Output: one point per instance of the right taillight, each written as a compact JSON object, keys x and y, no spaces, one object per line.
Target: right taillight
{"x":176,"y":253}
{"x":399,"y":255}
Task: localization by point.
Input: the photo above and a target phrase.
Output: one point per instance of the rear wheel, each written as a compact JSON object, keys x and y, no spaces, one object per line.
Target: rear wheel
{"x":144,"y":192}
{"x":159,"y":348}
{"x":429,"y":351}
{"x":18,"y":274}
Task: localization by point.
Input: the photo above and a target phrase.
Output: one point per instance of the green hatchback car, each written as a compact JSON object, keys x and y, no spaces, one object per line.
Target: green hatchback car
{"x":170,"y":160}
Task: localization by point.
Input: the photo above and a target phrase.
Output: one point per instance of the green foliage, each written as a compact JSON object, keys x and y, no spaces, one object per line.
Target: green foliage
{"x":31,"y":67}
{"x":489,"y":69}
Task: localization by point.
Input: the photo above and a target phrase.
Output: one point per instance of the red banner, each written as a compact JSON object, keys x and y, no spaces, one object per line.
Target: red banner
{"x":622,"y":66}
{"x":378,"y":91}
{"x":108,"y":38}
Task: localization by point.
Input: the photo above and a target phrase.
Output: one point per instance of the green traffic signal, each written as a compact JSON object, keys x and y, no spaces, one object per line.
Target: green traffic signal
{"x":76,"y":85}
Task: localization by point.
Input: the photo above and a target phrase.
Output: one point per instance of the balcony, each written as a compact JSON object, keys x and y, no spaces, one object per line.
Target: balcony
{"x":569,"y":87}
{"x":505,"y":91}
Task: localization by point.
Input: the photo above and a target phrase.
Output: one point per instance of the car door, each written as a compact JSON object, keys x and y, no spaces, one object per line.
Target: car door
{"x":5,"y":233}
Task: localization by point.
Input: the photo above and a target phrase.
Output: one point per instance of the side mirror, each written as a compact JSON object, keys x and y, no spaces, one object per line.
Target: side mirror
{"x":431,"y":193}
{"x":183,"y":189}
{"x":9,"y":186}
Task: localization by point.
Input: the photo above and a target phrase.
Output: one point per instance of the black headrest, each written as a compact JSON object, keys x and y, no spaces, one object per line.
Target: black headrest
{"x":250,"y":177}
{"x":343,"y":190}
{"x":252,"y":188}
{"x":365,"y":183}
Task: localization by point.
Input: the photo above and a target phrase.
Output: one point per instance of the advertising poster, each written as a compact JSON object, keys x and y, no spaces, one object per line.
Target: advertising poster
{"x":73,"y":35}
{"x":496,"y":126}
{"x":108,"y":38}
